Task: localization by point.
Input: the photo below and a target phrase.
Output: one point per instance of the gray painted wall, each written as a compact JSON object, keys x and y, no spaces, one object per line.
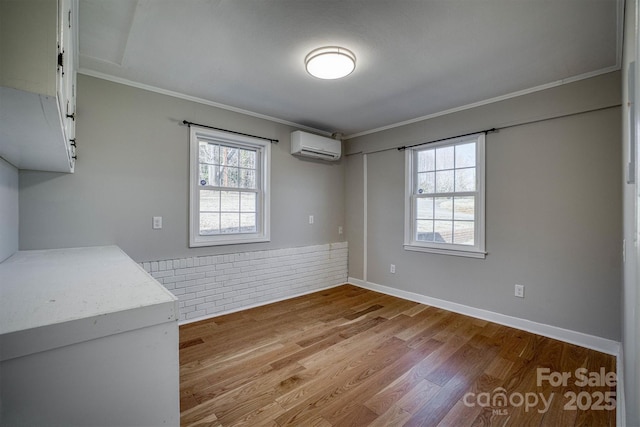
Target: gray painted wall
{"x":8,"y":209}
{"x":133,"y":165}
{"x":630,"y":294}
{"x":355,"y":213}
{"x":553,"y":210}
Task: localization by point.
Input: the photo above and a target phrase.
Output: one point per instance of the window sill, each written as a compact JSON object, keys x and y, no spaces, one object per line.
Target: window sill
{"x":232,"y":241}
{"x":454,"y":252}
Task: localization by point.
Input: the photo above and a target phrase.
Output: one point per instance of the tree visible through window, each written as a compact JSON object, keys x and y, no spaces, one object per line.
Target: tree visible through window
{"x":229,"y":188}
{"x":445,"y":197}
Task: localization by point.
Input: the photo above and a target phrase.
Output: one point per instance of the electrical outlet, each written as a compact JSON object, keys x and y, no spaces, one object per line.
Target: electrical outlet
{"x":310,"y":219}
{"x":392,"y":269}
{"x":157,"y":222}
{"x":339,"y":229}
{"x":519,"y":291}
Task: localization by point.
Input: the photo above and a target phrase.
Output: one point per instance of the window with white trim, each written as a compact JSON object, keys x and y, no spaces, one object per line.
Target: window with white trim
{"x":445,"y":197}
{"x":229,"y":188}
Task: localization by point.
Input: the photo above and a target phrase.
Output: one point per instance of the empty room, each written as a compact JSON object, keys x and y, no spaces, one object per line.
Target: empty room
{"x":319,"y":213}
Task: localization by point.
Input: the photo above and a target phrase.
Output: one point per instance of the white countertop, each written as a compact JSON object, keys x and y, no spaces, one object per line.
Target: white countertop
{"x":93,"y":292}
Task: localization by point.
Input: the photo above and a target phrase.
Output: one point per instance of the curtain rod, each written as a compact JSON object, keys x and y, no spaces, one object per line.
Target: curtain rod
{"x":496,"y":129}
{"x":188,"y":123}
{"x":404,"y":147}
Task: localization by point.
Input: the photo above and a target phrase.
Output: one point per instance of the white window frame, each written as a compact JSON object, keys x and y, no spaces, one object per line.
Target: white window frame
{"x":263,"y":147}
{"x":410,"y":243}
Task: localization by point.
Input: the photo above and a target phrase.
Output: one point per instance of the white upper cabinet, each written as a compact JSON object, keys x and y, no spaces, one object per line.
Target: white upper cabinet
{"x":38,"y":54}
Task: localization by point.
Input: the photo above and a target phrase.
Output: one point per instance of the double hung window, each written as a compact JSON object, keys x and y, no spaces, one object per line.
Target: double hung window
{"x":444,"y":187}
{"x":229,"y":188}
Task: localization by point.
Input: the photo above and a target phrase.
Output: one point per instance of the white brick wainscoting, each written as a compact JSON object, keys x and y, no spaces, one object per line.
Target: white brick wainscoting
{"x":217,"y":284}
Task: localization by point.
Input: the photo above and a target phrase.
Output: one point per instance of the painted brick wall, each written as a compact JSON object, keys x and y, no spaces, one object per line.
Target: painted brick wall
{"x":211,"y":285}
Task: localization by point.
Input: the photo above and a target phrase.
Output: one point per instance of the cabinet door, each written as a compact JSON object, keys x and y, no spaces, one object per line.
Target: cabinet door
{"x":70,"y":123}
{"x":66,"y":55}
{"x":67,"y":86}
{"x":63,"y":54}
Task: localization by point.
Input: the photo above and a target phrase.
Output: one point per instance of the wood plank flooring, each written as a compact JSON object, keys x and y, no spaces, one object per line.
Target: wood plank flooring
{"x":352,"y":357}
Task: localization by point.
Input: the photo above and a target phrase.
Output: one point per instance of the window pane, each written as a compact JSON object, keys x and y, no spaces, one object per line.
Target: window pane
{"x":424,"y":208}
{"x":466,"y":155}
{"x":466,"y":179}
{"x":444,"y":182}
{"x":207,"y":175}
{"x":424,"y":231}
{"x":443,"y":208}
{"x":247,"y":159}
{"x":209,"y":223}
{"x":229,"y":177}
{"x":426,"y":183}
{"x":463,"y":232}
{"x":209,"y":153}
{"x":214,"y":176}
{"x":229,"y":223}
{"x":444,"y":158}
{"x":464,"y":208}
{"x":248,"y":223}
{"x":202,"y":151}
{"x":209,"y":201}
{"x":230,"y":201}
{"x":229,"y":156}
{"x":248,"y":202}
{"x":247,"y":178}
{"x":443,"y":231}
{"x":426,"y":160}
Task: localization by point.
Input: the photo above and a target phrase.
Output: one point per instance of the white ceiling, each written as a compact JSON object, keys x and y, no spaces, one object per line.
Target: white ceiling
{"x":414,"y":58}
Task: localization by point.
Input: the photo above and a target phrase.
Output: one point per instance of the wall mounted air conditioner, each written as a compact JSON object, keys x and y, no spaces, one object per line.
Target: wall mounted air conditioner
{"x":318,"y":147}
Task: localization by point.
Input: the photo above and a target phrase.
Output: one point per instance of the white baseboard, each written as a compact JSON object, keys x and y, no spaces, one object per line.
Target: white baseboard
{"x":578,"y":338}
{"x":260,"y":304}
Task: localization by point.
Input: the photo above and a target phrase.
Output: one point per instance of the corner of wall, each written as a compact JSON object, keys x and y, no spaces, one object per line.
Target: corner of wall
{"x":9,"y":203}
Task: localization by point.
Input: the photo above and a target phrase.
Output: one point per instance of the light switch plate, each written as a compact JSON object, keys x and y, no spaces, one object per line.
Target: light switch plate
{"x":157,"y":222}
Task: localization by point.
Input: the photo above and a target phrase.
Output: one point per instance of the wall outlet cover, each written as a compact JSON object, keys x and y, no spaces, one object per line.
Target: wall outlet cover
{"x":519,"y":291}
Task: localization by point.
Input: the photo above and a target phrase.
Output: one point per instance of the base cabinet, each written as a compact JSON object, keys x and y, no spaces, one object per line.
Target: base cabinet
{"x":120,"y":380}
{"x":87,"y":338}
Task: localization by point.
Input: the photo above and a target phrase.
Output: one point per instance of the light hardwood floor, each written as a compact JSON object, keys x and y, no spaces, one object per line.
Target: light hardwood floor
{"x":350,"y":356}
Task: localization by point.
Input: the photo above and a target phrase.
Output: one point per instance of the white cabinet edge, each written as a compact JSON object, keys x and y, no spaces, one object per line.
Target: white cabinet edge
{"x":55,"y":298}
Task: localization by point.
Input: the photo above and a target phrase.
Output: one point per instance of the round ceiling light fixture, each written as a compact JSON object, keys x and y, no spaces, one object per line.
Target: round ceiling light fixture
{"x":330,"y":62}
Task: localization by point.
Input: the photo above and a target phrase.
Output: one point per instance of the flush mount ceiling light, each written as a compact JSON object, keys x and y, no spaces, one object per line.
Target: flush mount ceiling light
{"x":330,"y":63}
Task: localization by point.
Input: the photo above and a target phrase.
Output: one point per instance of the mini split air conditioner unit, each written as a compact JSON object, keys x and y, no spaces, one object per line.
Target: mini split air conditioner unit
{"x":318,"y":147}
